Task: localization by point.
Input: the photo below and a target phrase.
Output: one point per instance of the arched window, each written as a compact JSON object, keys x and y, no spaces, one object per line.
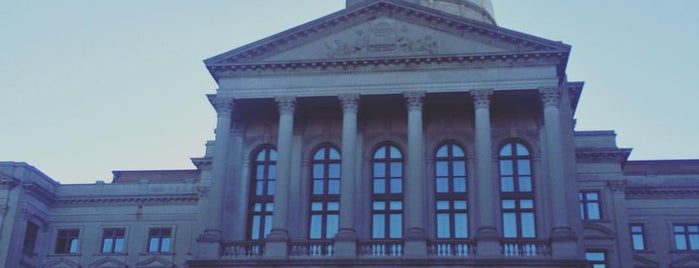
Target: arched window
{"x":451,"y":192}
{"x":516,"y":191}
{"x":261,"y":201}
{"x":325,"y":193}
{"x":387,"y":193}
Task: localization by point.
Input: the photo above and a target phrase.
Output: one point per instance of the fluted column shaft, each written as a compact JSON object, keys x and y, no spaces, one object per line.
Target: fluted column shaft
{"x":486,"y":183}
{"x":550,"y":98}
{"x":224,"y":108}
{"x":350,"y":105}
{"x":279,"y":230}
{"x":414,"y":188}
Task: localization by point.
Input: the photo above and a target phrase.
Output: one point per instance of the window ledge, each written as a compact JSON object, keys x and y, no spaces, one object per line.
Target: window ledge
{"x":645,"y":251}
{"x":64,"y":255}
{"x":111,"y":254}
{"x":157,"y":253}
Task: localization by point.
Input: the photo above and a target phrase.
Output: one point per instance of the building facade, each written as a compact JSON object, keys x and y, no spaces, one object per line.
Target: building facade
{"x":390,"y":133}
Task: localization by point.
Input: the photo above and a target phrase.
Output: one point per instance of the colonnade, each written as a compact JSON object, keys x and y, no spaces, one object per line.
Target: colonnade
{"x":487,"y":234}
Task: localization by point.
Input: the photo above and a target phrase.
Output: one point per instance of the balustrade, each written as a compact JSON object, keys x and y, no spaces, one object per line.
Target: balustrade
{"x":453,"y":247}
{"x":311,"y":248}
{"x":525,"y":248}
{"x":380,"y":248}
{"x":243,"y":249}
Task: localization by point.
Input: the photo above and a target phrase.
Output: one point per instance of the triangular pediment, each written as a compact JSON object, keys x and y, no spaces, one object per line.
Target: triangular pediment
{"x":62,"y":263}
{"x":385,"y":29}
{"x":642,"y":262}
{"x":154,"y":262}
{"x":686,"y":262}
{"x":108,"y":262}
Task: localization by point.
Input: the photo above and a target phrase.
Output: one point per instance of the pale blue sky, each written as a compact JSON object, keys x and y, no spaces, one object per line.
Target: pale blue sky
{"x":87,"y":87}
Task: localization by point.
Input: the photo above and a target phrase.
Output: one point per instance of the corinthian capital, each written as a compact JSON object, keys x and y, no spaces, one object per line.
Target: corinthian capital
{"x":287,"y":104}
{"x":481,"y":98}
{"x":223,"y":105}
{"x":550,"y":96}
{"x":350,"y":102}
{"x":414,"y":99}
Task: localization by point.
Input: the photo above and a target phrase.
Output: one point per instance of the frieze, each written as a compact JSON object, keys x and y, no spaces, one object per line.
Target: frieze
{"x":344,"y":65}
{"x":652,"y":193}
{"x":182,"y":198}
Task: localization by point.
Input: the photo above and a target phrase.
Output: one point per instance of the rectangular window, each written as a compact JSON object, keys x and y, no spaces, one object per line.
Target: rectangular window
{"x":686,"y":236}
{"x":596,"y":258}
{"x":113,"y":240}
{"x":67,"y":241}
{"x":590,"y":205}
{"x":159,"y":239}
{"x":30,"y":237}
{"x":638,"y":237}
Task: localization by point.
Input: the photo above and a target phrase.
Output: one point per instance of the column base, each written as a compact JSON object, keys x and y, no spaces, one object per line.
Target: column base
{"x":564,"y":242}
{"x":209,"y":244}
{"x":346,"y":234}
{"x":488,"y":242}
{"x":346,"y":243}
{"x":277,"y":235}
{"x":415,"y":243}
{"x":277,"y":244}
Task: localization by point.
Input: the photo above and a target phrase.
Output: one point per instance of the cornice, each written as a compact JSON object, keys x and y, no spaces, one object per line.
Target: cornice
{"x":125,"y":200}
{"x":8,"y":182}
{"x":202,"y":162}
{"x":654,"y":193}
{"x":343,"y":65}
{"x":614,"y":155}
{"x":40,"y":193}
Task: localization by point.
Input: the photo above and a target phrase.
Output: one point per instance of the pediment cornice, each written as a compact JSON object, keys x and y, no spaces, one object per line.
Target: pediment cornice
{"x":522,"y":45}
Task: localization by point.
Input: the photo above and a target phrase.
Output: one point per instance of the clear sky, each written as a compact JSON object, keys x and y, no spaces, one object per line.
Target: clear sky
{"x":87,"y":87}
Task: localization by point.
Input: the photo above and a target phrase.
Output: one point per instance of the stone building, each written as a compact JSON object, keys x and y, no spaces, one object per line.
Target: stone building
{"x":393,"y":132}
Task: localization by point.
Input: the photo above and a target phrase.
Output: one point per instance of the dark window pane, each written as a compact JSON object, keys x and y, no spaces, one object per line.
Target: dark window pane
{"x":523,"y":167}
{"x":396,"y":186}
{"x":507,"y":184}
{"x":442,"y":168}
{"x":506,"y":150}
{"x":334,"y":154}
{"x":332,"y":225}
{"x":318,"y":171}
{"x":442,"y":185}
{"x":379,"y":170}
{"x":459,"y":185}
{"x":334,"y":187}
{"x":379,"y":186}
{"x":460,"y":225}
{"x":457,"y":151}
{"x":443,"y":226}
{"x":316,"y":226}
{"x":506,"y":168}
{"x":525,"y":184}
{"x":509,"y":222}
{"x":334,"y":171}
{"x":396,"y":226}
{"x":318,"y":187}
{"x":442,"y":152}
{"x":378,"y":224}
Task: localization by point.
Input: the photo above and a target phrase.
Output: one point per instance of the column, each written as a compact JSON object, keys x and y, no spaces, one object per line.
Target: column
{"x":346,"y":238}
{"x":276,"y":246}
{"x":415,"y":244}
{"x":209,"y":241}
{"x":562,"y":236}
{"x":487,"y":235}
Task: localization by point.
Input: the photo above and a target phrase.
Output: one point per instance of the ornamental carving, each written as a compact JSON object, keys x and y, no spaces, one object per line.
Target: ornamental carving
{"x":550,"y":96}
{"x":383,"y":36}
{"x":350,"y":102}
{"x":481,"y":98}
{"x":617,"y":186}
{"x":287,"y":104}
{"x":223,"y":105}
{"x":414,"y":99}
